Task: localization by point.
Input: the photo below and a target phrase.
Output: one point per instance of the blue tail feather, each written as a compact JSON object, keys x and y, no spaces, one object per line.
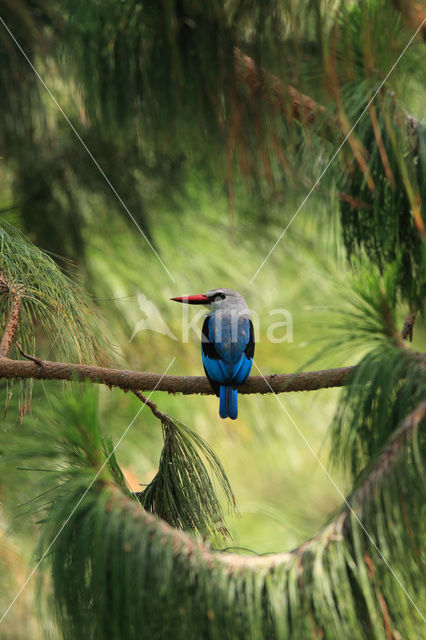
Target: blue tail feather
{"x":223,"y":412}
{"x":228,"y":407}
{"x":233,"y":403}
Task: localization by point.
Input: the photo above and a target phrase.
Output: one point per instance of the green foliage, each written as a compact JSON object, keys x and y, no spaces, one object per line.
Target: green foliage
{"x":381,"y":214}
{"x":167,"y":65}
{"x":70,"y":439}
{"x":21,"y":111}
{"x":50,"y":301}
{"x":120,"y":571}
{"x":389,"y":381}
{"x":60,"y":191}
{"x":387,"y":224}
{"x":367,"y":315}
{"x":181,"y":493}
{"x":117,"y":570}
{"x":386,"y":386}
{"x":169,"y":73}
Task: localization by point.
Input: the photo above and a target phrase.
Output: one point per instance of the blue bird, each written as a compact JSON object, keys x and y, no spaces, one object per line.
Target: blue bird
{"x":227,"y":344}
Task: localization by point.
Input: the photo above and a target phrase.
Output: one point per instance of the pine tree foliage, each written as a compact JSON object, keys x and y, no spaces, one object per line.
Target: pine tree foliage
{"x":181,"y":493}
{"x":21,"y":110}
{"x":61,"y":177}
{"x":172,"y":73}
{"x":366,"y":419}
{"x":52,"y":176}
{"x":387,"y":223}
{"x":50,"y":302}
{"x":390,"y":380}
{"x":182,"y":87}
{"x":122,"y":572}
{"x":388,"y":383}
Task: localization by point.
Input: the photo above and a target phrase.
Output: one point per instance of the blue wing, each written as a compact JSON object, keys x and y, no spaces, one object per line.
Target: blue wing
{"x":227,"y":359}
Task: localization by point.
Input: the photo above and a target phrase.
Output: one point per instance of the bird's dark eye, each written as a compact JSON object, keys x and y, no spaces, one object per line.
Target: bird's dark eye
{"x":218,"y":296}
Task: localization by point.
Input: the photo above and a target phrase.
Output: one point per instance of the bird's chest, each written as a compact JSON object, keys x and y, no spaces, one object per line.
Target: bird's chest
{"x":229,"y":332}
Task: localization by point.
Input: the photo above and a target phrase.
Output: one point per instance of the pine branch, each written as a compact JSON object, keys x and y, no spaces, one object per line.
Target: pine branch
{"x":146,"y":573}
{"x":193,"y":550}
{"x":187,"y":385}
{"x":44,"y":298}
{"x":11,"y":326}
{"x":413,"y":14}
{"x":291,"y":102}
{"x":27,"y":355}
{"x":391,"y":452}
{"x":163,"y":417}
{"x":182,"y":492}
{"x":12,"y":321}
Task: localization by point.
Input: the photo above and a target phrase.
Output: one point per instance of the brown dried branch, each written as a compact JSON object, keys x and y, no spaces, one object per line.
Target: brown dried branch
{"x":13,"y":319}
{"x":187,"y":385}
{"x":413,"y":13}
{"x":291,"y":102}
{"x":359,"y":152}
{"x":379,"y":140}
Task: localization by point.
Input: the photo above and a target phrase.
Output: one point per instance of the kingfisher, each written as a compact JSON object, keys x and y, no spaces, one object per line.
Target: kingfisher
{"x":227,"y":344}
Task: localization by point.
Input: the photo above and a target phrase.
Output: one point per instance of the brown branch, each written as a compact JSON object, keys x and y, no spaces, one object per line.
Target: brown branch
{"x":413,"y":13}
{"x":407,"y":329}
{"x":379,"y":140}
{"x":27,"y":356}
{"x":163,"y":417}
{"x":12,"y":321}
{"x":291,"y":102}
{"x":187,"y":385}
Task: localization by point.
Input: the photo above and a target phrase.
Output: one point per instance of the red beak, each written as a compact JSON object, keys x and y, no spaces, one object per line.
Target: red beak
{"x":199,"y":299}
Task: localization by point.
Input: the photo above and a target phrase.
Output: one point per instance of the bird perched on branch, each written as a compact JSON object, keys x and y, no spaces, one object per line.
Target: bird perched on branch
{"x":227,"y":344}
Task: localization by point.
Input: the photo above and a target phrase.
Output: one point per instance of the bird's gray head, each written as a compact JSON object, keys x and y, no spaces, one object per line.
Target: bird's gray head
{"x":225,"y":299}
{"x":217,"y":300}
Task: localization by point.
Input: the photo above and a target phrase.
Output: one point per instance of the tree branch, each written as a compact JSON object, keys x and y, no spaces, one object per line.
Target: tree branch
{"x":27,"y":356}
{"x":12,"y":321}
{"x":187,"y":385}
{"x":292,"y":103}
{"x":163,"y":417}
{"x":413,"y":14}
